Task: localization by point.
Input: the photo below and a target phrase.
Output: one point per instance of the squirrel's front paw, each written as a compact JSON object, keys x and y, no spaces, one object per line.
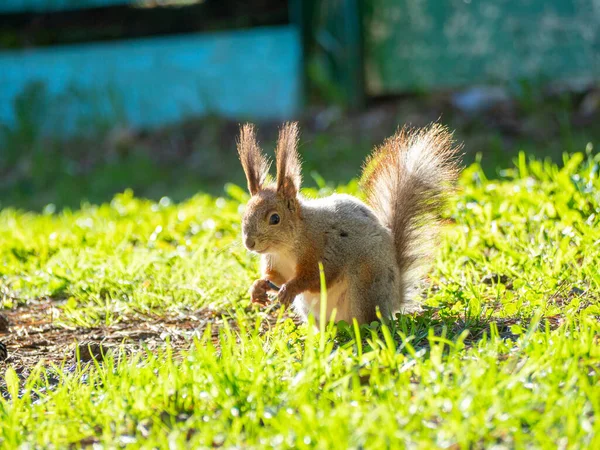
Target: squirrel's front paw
{"x":258,"y":292}
{"x":285,"y":296}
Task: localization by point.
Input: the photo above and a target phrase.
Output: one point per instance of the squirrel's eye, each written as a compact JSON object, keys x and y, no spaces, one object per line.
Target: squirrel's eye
{"x":274,"y":219}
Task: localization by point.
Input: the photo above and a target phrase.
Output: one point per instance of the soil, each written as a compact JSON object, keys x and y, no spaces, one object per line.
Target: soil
{"x":32,"y":334}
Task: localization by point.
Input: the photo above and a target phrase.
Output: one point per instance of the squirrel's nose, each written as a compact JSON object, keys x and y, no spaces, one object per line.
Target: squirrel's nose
{"x":250,"y":243}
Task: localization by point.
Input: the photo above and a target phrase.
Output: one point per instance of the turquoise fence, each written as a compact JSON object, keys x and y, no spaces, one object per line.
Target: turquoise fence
{"x":344,"y":50}
{"x":20,"y":6}
{"x":149,"y":82}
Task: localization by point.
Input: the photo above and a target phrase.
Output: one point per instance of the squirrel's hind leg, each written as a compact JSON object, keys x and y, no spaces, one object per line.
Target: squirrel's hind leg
{"x":371,"y":290}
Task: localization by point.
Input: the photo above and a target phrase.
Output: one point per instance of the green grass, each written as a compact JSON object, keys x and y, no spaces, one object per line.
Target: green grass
{"x":507,"y":351}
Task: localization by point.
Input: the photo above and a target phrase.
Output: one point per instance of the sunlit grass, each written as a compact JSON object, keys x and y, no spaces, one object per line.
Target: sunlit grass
{"x":507,"y":351}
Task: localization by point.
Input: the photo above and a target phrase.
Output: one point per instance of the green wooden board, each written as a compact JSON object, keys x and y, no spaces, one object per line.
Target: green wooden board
{"x":424,"y":44}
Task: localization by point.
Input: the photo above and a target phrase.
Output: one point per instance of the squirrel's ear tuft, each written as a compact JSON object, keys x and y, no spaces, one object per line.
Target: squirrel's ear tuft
{"x":289,"y":168}
{"x":255,"y":164}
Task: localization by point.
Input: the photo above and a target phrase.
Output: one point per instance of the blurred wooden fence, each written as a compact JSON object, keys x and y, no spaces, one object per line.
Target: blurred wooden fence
{"x":343,"y":50}
{"x":148,"y":82}
{"x":423,"y":45}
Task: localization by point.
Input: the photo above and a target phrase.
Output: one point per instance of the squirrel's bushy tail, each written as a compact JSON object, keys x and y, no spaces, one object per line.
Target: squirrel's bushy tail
{"x":407,"y":181}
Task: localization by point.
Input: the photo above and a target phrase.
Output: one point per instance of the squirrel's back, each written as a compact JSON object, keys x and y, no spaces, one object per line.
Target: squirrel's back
{"x":353,"y":243}
{"x":350,"y":228}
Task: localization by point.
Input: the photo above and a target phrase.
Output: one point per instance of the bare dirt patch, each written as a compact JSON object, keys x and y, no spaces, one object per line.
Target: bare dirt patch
{"x":32,"y":334}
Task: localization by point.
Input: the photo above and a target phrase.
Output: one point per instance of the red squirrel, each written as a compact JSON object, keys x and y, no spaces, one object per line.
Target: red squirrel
{"x":372,"y":253}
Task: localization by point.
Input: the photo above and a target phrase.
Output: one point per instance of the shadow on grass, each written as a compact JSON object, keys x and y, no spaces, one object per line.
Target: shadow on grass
{"x":418,"y":328}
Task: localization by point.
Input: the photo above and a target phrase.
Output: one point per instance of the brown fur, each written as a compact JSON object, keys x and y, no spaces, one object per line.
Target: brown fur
{"x":408,"y":180}
{"x":274,"y":276}
{"x":289,"y":176}
{"x":255,"y":165}
{"x":365,"y":273}
{"x":306,"y":273}
{"x":371,"y":256}
{"x":308,"y":269}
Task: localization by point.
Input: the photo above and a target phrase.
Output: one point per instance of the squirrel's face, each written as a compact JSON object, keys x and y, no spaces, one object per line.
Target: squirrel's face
{"x":269,"y":222}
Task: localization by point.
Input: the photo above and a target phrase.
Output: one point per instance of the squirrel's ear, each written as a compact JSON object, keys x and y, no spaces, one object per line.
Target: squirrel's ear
{"x":255,"y":165}
{"x":289,"y":167}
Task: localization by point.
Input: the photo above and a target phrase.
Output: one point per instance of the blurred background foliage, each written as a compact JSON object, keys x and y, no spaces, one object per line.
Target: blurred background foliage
{"x":507,"y":77}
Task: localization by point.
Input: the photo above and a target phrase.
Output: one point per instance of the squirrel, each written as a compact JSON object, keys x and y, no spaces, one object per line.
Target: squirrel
{"x":372,"y":254}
